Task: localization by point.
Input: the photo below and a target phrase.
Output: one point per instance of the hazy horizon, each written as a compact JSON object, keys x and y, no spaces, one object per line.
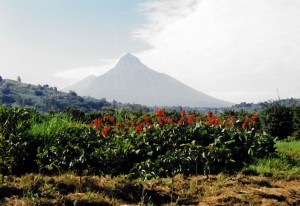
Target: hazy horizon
{"x":234,"y":50}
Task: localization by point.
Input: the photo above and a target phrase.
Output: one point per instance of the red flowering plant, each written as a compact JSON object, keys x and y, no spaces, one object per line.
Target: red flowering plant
{"x":251,"y":123}
{"x":160,"y":112}
{"x":191,"y":119}
{"x":104,"y":131}
{"x":230,"y":121}
{"x":183,"y":113}
{"x":211,"y":119}
{"x":139,"y":128}
{"x":97,"y":122}
{"x":162,"y":118}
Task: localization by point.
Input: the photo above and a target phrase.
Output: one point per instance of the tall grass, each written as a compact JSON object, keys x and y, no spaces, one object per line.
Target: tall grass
{"x":289,"y":148}
{"x":49,"y":127}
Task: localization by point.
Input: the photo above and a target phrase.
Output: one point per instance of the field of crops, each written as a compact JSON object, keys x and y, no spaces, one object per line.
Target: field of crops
{"x":136,"y":145}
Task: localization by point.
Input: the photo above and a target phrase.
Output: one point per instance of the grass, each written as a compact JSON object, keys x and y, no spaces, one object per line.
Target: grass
{"x":284,"y":165}
{"x":289,"y":148}
{"x":49,"y":128}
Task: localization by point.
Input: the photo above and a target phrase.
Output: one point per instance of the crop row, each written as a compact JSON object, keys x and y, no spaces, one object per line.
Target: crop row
{"x":162,"y":143}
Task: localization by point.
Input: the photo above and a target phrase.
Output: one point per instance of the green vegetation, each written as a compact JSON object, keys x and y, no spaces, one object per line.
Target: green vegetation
{"x":278,"y":120}
{"x":126,"y":143}
{"x":284,"y":164}
{"x":289,"y":148}
{"x":45,"y":98}
{"x":113,"y":157}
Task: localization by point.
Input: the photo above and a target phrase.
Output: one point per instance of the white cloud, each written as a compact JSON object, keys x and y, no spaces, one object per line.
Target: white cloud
{"x":237,"y":50}
{"x":76,"y":74}
{"x":160,"y":13}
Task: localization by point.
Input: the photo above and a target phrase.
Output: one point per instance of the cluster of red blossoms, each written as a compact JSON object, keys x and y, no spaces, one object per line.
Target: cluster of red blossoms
{"x":230,"y":121}
{"x":248,"y":123}
{"x":212,"y":119}
{"x":108,"y":121}
{"x":108,"y":124}
{"x":191,"y":119}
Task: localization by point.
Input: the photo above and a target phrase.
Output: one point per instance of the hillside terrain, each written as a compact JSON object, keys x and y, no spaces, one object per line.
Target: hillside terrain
{"x":45,"y":98}
{"x":261,"y":105}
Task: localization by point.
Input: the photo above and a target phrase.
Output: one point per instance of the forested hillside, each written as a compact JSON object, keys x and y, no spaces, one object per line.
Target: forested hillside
{"x":45,"y":98}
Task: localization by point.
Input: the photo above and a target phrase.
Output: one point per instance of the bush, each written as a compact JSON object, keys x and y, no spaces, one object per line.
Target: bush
{"x":296,"y":121}
{"x":7,"y":99}
{"x":39,"y":93}
{"x":17,"y":148}
{"x":6,"y":91}
{"x":278,"y":120}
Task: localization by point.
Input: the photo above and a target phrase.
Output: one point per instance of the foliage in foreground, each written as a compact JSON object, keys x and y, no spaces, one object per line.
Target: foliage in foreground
{"x":136,"y":144}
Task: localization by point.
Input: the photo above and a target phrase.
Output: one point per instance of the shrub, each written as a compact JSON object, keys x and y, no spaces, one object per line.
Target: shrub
{"x":39,"y":93}
{"x":6,"y":90}
{"x":278,"y":120}
{"x":7,"y":99}
{"x":296,"y":121}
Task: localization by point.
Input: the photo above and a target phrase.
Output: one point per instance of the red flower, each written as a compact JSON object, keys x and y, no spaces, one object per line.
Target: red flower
{"x":244,"y":126}
{"x":255,"y":117}
{"x":209,"y":113}
{"x":111,"y":120}
{"x":230,"y":121}
{"x":191,"y":119}
{"x":97,"y":122}
{"x":183,"y":112}
{"x":181,"y":121}
{"x":247,"y":119}
{"x":159,"y":120}
{"x":104,"y":131}
{"x":167,"y":120}
{"x":146,"y":119}
{"x":214,"y":120}
{"x":160,"y":112}
{"x":233,"y":119}
{"x":138,"y":128}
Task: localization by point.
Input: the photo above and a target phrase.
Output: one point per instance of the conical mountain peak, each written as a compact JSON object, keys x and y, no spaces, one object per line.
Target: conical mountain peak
{"x":129,"y":56}
{"x":130,"y":81}
{"x":129,"y":62}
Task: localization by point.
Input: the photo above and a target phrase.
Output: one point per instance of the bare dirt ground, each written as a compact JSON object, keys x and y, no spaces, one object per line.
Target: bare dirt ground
{"x":250,"y":190}
{"x":219,"y":190}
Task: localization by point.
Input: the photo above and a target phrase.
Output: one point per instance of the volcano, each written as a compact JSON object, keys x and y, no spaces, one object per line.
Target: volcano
{"x":130,"y":81}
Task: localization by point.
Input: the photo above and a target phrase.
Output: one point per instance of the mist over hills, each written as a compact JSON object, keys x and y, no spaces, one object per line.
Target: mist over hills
{"x":130,"y":81}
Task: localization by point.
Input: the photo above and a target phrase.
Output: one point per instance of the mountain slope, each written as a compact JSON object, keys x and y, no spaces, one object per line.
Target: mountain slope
{"x":83,"y":86}
{"x":130,"y":81}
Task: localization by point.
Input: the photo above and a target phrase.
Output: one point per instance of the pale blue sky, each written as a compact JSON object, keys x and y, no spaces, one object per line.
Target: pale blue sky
{"x":235,"y":50}
{"x":54,"y":35}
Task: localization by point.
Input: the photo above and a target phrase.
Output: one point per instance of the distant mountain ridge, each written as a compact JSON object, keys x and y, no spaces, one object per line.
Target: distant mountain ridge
{"x":130,"y":81}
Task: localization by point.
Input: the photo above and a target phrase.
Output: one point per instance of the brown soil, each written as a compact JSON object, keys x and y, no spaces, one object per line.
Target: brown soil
{"x":221,"y":190}
{"x":251,"y":190}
